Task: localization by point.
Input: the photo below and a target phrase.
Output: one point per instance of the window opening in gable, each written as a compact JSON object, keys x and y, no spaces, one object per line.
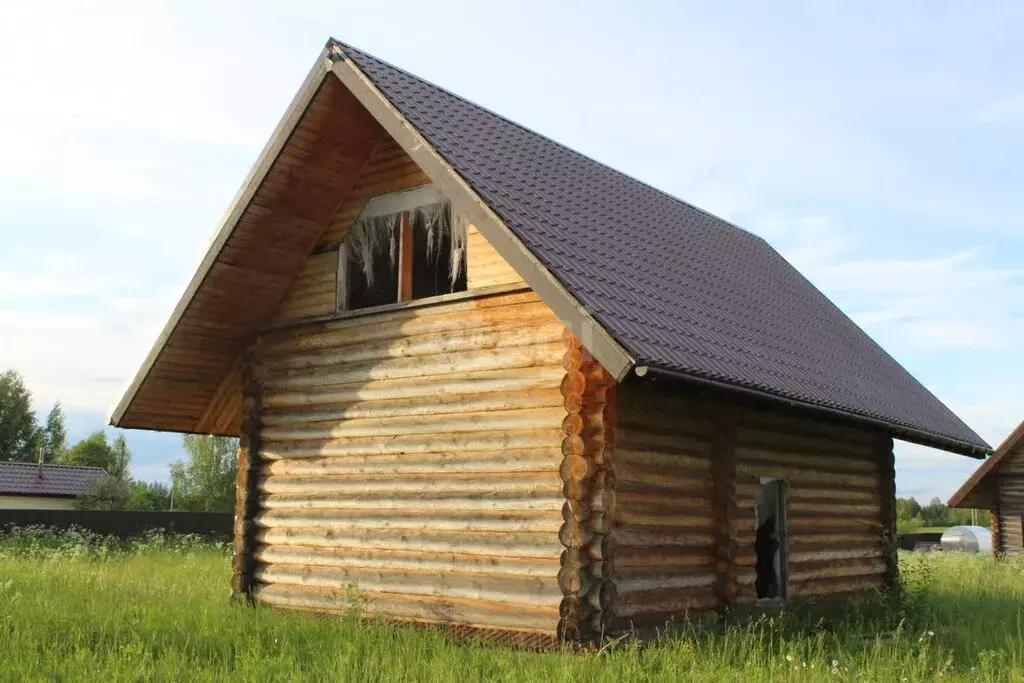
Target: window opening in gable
{"x":438,"y":253}
{"x":412,"y":254}
{"x":369,"y":263}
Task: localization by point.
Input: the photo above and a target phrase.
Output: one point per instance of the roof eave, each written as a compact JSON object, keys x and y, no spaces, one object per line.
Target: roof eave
{"x":320,"y":69}
{"x":897,"y":431}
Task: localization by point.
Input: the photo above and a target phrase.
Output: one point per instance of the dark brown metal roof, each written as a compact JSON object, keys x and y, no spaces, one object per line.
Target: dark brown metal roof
{"x":683,"y":291}
{"x":978,"y":491}
{"x":28,"y":479}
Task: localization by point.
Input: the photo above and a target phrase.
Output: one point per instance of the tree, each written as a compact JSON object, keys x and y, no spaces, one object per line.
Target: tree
{"x":54,"y":435}
{"x":148,"y":496}
{"x":19,"y":431}
{"x":95,"y":451}
{"x":206,"y":481}
{"x":106,"y":493}
{"x":122,"y":457}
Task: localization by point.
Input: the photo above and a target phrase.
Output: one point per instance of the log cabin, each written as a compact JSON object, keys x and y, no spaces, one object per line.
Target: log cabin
{"x":998,"y":486}
{"x":496,"y":385}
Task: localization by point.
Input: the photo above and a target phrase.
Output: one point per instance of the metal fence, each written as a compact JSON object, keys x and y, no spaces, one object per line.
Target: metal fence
{"x":124,"y":523}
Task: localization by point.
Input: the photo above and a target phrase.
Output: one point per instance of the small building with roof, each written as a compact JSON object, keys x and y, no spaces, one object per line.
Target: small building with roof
{"x":38,"y":486}
{"x":998,"y":486}
{"x":494,"y":384}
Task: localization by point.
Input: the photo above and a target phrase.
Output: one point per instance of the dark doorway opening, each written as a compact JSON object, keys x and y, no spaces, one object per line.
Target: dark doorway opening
{"x":770,"y":540}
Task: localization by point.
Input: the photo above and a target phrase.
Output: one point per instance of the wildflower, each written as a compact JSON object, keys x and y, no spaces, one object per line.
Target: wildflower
{"x":931,"y":633}
{"x":789,"y":658}
{"x":835,"y":662}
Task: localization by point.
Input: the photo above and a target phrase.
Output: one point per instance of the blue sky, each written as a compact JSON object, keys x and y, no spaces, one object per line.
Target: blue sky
{"x":878,"y":148}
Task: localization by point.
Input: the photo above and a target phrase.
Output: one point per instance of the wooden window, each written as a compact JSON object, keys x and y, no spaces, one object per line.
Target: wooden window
{"x":404,"y":246}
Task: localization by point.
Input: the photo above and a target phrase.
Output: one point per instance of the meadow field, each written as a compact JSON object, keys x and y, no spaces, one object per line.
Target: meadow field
{"x":75,"y":607}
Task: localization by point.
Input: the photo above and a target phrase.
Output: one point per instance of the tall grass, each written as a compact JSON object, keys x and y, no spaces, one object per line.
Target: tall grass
{"x":80,"y":607}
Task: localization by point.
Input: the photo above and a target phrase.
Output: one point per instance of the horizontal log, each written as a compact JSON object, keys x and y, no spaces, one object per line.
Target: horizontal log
{"x":427,"y":366}
{"x":874,"y":552}
{"x":406,"y":407}
{"x":789,"y":440}
{"x":432,"y":562}
{"x":430,"y":443}
{"x":808,"y":478}
{"x":668,"y":602}
{"x":486,"y":614}
{"x":630,"y":584}
{"x":773,"y":421}
{"x":506,"y":545}
{"x":864,"y":465}
{"x":452,"y":386}
{"x":446,"y":423}
{"x":631,"y":558}
{"x":812,"y":571}
{"x":512,"y":590}
{"x":471,"y":483}
{"x":693,"y":522}
{"x":446,"y":343}
{"x":647,"y":536}
{"x":836,"y":586}
{"x":647,"y":462}
{"x":642,"y":480}
{"x":456,"y":317}
{"x":660,"y":501}
{"x":346,"y":520}
{"x":797,"y":507}
{"x":470,"y":463}
{"x":515,"y":501}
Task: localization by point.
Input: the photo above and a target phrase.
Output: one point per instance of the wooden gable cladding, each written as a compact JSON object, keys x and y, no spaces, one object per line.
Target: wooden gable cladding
{"x":314,"y":290}
{"x":270,"y":243}
{"x":484,"y":265}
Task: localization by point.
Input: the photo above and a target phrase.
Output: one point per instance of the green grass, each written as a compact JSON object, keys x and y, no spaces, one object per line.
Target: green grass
{"x":79,"y":608}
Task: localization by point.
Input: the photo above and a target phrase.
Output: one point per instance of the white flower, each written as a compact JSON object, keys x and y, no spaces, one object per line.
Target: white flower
{"x":931,"y":633}
{"x":835,"y":662}
{"x":789,"y":658}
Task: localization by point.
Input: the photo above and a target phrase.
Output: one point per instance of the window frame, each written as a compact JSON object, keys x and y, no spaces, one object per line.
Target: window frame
{"x":403,"y":203}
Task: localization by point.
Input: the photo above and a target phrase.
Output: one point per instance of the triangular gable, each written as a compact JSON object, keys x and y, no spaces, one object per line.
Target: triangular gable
{"x":979,"y":491}
{"x":259,"y":262}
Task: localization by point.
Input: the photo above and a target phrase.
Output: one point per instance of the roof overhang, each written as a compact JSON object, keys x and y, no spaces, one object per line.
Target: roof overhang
{"x":978,"y":491}
{"x":331,"y":62}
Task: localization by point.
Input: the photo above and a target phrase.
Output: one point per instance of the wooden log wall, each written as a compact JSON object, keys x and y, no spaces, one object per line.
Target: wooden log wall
{"x":588,"y":484}
{"x":686,"y":473}
{"x":1010,"y":503}
{"x":837,"y":501}
{"x":389,"y":169}
{"x":665,"y":526}
{"x":414,"y":455}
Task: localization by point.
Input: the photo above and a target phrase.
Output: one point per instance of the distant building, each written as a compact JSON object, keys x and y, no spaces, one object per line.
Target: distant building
{"x":31,"y":486}
{"x":998,"y":485}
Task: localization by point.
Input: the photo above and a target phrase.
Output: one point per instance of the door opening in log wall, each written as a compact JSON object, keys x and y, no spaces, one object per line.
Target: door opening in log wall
{"x":770,"y":539}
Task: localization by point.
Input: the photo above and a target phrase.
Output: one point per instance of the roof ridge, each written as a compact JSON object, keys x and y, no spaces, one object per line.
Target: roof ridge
{"x":18,"y":463}
{"x":632,"y":178}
